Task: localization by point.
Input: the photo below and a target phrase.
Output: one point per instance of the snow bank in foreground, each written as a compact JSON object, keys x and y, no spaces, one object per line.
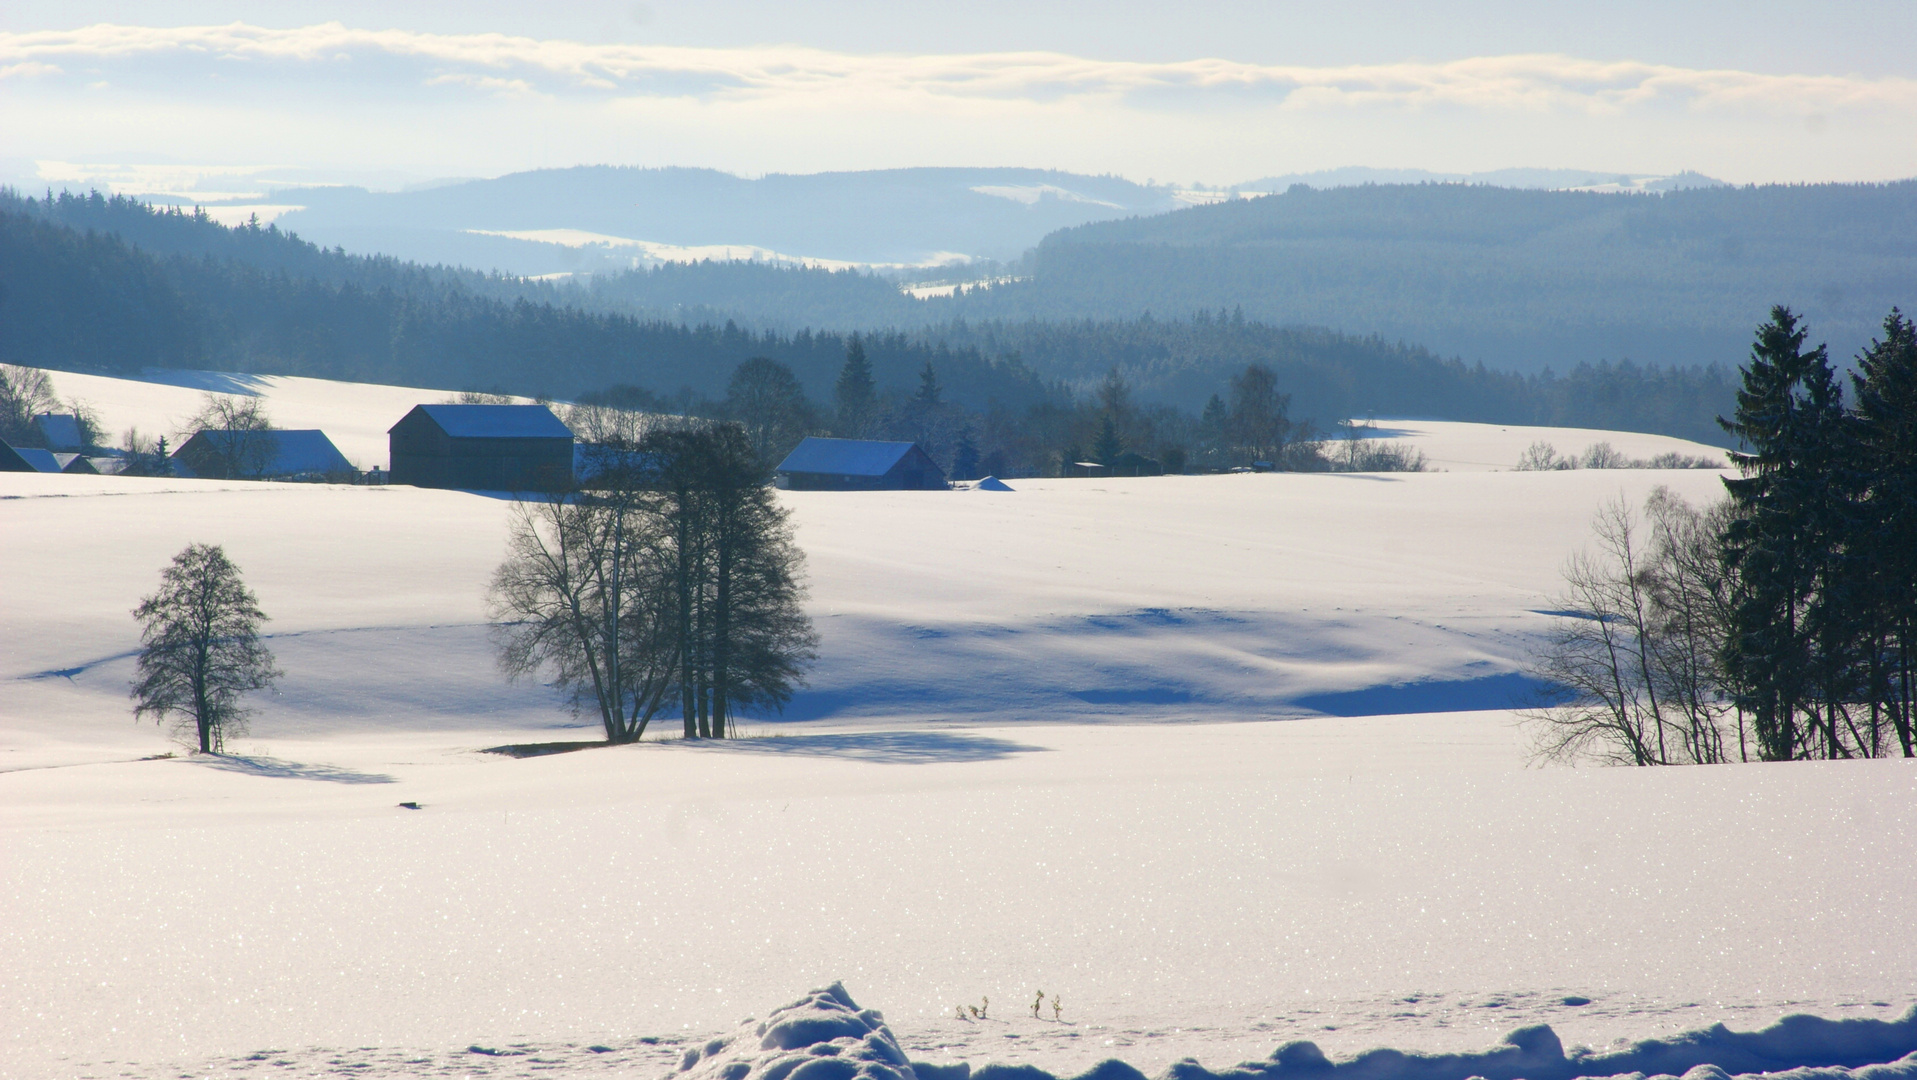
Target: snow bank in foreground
{"x":826,"y":1036}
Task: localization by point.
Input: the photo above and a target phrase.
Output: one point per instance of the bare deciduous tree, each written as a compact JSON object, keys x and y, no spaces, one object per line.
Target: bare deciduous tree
{"x":1636,"y":657}
{"x":584,"y":596}
{"x":675,"y":575}
{"x":24,"y":393}
{"x":200,"y":648}
{"x":237,"y":449}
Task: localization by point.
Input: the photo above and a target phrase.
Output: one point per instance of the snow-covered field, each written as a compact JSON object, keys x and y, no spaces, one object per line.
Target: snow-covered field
{"x":1166,"y":748}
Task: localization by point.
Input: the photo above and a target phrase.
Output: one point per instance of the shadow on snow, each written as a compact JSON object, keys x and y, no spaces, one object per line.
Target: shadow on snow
{"x":288,"y":770}
{"x":887,"y":747}
{"x":1507,"y":691}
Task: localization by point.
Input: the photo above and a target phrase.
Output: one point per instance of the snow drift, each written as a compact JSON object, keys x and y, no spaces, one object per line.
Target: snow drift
{"x":826,"y":1036}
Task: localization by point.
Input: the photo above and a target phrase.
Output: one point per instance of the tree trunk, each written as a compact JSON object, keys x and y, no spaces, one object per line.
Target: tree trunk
{"x":722,"y":635}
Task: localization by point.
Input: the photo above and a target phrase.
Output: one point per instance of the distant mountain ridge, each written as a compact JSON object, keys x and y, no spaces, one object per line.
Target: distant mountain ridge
{"x":600,"y":218}
{"x":1523,"y":179}
{"x":114,"y":286}
{"x":1518,"y":279}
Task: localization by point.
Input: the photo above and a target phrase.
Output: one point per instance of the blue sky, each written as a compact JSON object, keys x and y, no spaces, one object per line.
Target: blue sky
{"x":391,"y":93}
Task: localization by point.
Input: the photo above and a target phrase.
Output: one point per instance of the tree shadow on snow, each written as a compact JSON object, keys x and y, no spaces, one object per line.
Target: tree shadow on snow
{"x":886,"y":747}
{"x":219,"y":382}
{"x":1509,"y":690}
{"x":288,"y":770}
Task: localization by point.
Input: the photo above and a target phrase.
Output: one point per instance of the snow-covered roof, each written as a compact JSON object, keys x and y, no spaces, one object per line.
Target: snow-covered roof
{"x":62,"y":431}
{"x":294,"y":452}
{"x":41,"y":460}
{"x":844,"y":457}
{"x":497,"y":421}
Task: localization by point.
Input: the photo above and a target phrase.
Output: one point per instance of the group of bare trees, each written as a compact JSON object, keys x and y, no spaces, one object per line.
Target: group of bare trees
{"x":1634,"y":665}
{"x":670,"y":577}
{"x":1779,"y":624}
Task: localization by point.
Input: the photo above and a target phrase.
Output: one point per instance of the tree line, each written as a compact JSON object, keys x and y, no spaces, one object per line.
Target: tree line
{"x":114,"y":285}
{"x":1780,"y":623}
{"x":1517,"y":279}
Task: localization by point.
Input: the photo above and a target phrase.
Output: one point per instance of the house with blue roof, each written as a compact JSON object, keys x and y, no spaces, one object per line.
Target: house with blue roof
{"x":482,"y":448}
{"x":859,"y":465}
{"x":61,"y":432}
{"x":293,"y":454}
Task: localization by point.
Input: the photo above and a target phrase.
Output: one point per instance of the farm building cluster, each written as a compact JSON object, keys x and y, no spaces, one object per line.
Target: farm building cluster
{"x":457,"y":446}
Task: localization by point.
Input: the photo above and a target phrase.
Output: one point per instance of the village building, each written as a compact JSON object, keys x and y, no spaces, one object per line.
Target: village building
{"x":295,"y":454}
{"x":11,"y":461}
{"x":482,"y":448}
{"x":859,"y":465}
{"x":35,"y":459}
{"x":61,"y":432}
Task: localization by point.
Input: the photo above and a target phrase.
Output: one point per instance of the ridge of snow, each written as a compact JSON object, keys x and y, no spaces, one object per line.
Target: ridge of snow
{"x":826,"y":1036}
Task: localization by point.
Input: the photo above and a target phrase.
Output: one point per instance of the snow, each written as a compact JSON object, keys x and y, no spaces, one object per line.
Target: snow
{"x":1030,"y":194}
{"x":1456,"y":447}
{"x":1107,"y":739}
{"x":658,"y":252}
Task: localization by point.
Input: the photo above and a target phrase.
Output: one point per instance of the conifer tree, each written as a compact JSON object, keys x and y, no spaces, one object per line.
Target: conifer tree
{"x":1885,"y":386}
{"x":855,"y":393}
{"x":1784,"y":542}
{"x":965,"y":458}
{"x":930,"y":393}
{"x":1106,"y":448}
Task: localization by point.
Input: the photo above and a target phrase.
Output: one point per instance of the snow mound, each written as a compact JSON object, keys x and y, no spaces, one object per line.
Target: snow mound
{"x":822,"y":1036}
{"x":1798,"y":1047}
{"x":991,"y":483}
{"x":826,"y":1036}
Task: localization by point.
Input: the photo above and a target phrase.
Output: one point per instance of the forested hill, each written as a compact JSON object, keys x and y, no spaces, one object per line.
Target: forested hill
{"x":1516,"y":279}
{"x":112,"y":285}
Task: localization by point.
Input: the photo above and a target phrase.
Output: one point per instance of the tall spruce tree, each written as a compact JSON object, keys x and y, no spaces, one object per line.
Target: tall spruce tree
{"x":1785,"y":540}
{"x":855,"y":394}
{"x":930,"y":393}
{"x":1885,"y":386}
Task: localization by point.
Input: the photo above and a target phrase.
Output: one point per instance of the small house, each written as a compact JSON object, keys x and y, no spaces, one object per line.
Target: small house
{"x":859,"y":465}
{"x":297,"y":454}
{"x":14,"y":459}
{"x":60,"y":431}
{"x":482,"y":448}
{"x":41,"y":460}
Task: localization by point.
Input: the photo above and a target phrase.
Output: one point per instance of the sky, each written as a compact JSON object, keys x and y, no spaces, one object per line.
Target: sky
{"x":229,"y":95}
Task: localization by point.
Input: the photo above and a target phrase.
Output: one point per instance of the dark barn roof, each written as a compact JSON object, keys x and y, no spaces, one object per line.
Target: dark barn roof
{"x":496,"y":421}
{"x":844,"y":457}
{"x":11,"y":461}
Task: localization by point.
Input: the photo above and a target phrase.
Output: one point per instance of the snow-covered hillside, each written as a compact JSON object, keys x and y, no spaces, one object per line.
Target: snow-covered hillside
{"x":1119,"y":740}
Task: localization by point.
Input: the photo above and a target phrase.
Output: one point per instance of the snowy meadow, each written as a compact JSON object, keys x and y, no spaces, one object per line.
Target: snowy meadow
{"x":1216,"y":762}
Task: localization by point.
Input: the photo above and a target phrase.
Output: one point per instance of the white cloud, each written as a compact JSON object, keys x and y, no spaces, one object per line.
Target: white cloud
{"x":27,"y":70}
{"x":492,"y":102}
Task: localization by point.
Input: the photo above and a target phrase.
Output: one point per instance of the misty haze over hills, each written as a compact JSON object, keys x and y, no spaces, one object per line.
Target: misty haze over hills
{"x":1400,"y":277}
{"x":600,"y":218}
